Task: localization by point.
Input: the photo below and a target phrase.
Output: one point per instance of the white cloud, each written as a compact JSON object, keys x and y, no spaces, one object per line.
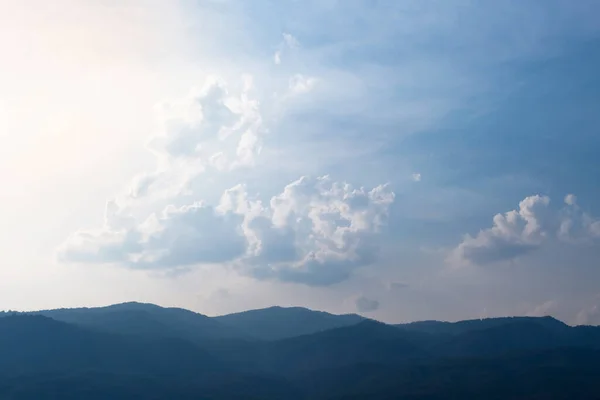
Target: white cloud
{"x":416,"y":177}
{"x":577,"y":226}
{"x":570,"y":199}
{"x":315,"y":232}
{"x":521,"y":231}
{"x":213,"y":128}
{"x":333,"y":226}
{"x":176,"y":237}
{"x":207,"y":122}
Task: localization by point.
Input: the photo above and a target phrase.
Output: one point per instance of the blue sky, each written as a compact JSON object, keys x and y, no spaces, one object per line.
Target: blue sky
{"x":406,"y":160}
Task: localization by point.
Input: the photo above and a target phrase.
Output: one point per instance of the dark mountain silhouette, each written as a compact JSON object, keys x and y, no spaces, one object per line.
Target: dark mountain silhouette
{"x":588,"y":336}
{"x":118,"y":386}
{"x":551,"y":374}
{"x":34,"y":343}
{"x":366,"y":342}
{"x":43,"y":358}
{"x":500,"y":339}
{"x":275,"y":323}
{"x":457,"y":328}
{"x":500,"y":335}
{"x":148,"y":320}
{"x":142,"y":351}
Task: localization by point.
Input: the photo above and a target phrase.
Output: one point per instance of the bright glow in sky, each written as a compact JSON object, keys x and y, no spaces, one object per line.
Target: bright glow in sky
{"x":406,"y":160}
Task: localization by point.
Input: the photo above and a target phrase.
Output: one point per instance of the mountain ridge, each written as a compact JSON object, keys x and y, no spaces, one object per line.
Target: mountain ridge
{"x":140,"y":350}
{"x":276,"y":322}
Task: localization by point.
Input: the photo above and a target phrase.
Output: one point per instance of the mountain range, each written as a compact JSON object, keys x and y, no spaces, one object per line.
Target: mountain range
{"x":135,"y":350}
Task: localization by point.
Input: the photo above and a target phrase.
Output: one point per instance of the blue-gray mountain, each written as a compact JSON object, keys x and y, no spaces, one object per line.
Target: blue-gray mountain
{"x":133,"y":350}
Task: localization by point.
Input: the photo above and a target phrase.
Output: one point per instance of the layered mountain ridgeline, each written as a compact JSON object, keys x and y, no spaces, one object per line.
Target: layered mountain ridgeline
{"x":279,"y":322}
{"x":135,"y":350}
{"x":153,"y":321}
{"x":147,"y":320}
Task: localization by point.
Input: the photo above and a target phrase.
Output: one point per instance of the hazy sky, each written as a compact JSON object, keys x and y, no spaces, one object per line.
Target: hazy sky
{"x":402,"y":159}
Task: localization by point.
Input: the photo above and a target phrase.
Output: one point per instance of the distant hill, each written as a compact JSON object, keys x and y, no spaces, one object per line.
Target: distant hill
{"x":494,"y":336}
{"x":276,"y":323}
{"x":366,"y":342}
{"x":457,"y":328}
{"x":513,"y":336}
{"x":148,"y":320}
{"x":46,"y":359}
{"x":34,"y":344}
{"x":142,"y":351}
{"x":563,"y":374}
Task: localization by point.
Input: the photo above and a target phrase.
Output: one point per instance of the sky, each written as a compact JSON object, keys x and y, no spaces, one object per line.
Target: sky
{"x":404,"y":160}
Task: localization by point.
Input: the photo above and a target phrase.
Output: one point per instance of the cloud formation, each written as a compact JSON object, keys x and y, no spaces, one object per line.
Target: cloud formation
{"x":315,"y":232}
{"x":521,"y":231}
{"x":213,"y":128}
{"x":329,"y":225}
{"x":175,"y":237}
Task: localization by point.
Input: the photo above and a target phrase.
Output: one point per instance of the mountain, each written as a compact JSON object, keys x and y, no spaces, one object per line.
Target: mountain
{"x":148,"y":320}
{"x":457,"y":328}
{"x":142,"y":351}
{"x":586,"y":335}
{"x":117,"y":386}
{"x":495,"y":336}
{"x":517,"y":335}
{"x":276,"y":323}
{"x":366,"y":342}
{"x":551,"y":374}
{"x":43,"y":359}
{"x":34,"y":343}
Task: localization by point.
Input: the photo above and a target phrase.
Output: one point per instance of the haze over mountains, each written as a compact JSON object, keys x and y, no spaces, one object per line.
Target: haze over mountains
{"x":135,"y":350}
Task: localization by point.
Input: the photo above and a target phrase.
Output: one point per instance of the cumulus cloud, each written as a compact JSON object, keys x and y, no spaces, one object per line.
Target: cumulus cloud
{"x":202,"y":124}
{"x":364,"y":304}
{"x":315,"y":232}
{"x":525,"y":229}
{"x":214,"y":127}
{"x":177,"y":237}
{"x":577,"y":226}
